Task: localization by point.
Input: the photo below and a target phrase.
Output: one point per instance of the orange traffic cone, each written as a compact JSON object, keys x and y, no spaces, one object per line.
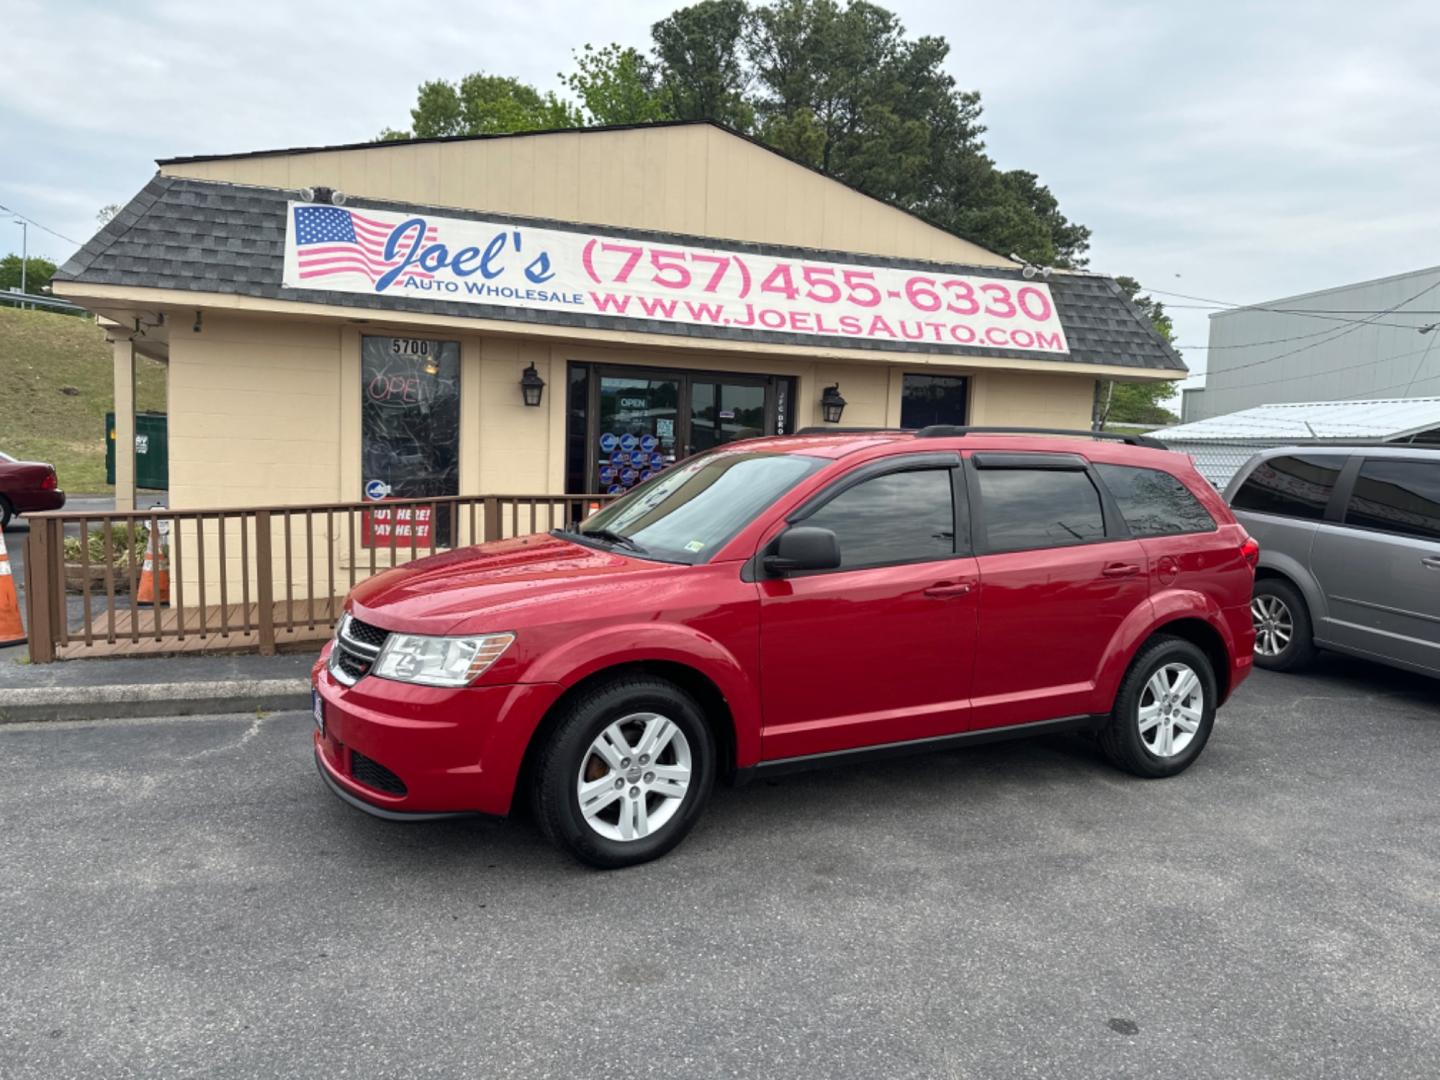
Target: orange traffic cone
{"x":12,"y":630}
{"x":154,"y":575}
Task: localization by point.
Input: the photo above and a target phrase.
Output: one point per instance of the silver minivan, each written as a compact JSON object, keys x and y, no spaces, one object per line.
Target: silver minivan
{"x":1349,"y":553}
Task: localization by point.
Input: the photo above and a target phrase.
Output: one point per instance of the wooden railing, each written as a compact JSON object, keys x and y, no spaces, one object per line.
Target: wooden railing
{"x":244,"y":578}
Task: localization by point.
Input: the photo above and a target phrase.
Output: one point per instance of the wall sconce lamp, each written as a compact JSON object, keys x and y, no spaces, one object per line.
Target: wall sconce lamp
{"x":532,"y":386}
{"x":832,"y":404}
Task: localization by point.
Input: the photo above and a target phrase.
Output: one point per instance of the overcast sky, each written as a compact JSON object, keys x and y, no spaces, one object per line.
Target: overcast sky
{"x":1243,"y":151}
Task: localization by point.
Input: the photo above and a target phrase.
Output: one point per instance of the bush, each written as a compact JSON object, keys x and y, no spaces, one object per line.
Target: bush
{"x":125,"y":538}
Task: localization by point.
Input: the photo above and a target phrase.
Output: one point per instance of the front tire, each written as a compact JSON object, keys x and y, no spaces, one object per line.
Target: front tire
{"x":1164,"y":711}
{"x":7,"y":513}
{"x":625,"y":773}
{"x":1284,"y":637}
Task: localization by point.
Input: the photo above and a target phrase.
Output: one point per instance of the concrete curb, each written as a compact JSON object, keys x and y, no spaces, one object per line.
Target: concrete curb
{"x":31,"y":704}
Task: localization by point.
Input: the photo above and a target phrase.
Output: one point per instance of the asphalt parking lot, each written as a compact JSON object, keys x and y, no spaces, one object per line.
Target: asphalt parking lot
{"x":183,"y":898}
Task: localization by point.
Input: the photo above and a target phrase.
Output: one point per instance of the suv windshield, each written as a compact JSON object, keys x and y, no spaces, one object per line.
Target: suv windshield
{"x":687,"y":512}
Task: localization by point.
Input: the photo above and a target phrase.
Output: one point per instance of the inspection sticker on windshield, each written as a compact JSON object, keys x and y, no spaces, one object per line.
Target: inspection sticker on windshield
{"x":695,"y":545}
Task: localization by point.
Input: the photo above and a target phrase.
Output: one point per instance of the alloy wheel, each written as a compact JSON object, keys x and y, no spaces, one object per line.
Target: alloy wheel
{"x":635,"y":776}
{"x":1171,"y":708}
{"x":1274,"y":625}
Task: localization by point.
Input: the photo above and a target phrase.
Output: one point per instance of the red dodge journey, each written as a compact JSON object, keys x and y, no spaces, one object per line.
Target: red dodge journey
{"x":787,"y":602}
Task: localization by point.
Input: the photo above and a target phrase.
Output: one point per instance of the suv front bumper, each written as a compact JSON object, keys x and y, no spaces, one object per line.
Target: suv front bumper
{"x":403,"y":750}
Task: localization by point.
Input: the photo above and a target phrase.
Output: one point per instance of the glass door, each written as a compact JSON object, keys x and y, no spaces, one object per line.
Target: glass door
{"x":637,"y":421}
{"x":721,"y":412}
{"x":638,"y":416}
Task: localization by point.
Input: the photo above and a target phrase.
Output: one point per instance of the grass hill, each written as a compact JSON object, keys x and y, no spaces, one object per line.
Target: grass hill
{"x":55,"y":389}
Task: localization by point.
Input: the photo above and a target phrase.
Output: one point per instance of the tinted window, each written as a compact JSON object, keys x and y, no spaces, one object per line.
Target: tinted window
{"x":1296,"y":486}
{"x":899,"y":517}
{"x":1154,"y":503}
{"x":1397,"y":496}
{"x":1039,"y":508}
{"x":932,"y":399}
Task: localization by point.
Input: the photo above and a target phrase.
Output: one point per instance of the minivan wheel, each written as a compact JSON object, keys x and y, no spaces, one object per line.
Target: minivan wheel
{"x":1284,"y":639}
{"x":626,"y":772}
{"x":1164,"y":711}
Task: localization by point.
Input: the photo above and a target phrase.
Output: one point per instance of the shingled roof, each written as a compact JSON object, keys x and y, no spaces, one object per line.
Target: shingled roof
{"x":210,"y":237}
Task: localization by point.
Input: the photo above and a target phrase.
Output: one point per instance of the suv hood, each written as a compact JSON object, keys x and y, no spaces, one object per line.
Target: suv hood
{"x":497,"y":586}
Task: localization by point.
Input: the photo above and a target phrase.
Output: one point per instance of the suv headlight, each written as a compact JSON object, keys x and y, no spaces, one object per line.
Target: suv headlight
{"x":439,"y":661}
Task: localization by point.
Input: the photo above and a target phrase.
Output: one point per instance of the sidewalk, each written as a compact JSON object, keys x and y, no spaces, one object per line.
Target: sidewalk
{"x":163,"y":686}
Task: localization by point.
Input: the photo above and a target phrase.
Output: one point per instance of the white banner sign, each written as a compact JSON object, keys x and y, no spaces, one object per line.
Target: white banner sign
{"x":377,"y":252}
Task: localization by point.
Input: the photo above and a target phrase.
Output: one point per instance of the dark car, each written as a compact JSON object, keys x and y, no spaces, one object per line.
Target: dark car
{"x":25,"y":487}
{"x":900,"y":591}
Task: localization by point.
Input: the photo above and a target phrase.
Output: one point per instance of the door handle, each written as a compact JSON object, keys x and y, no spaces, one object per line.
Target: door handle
{"x":946,"y":590}
{"x":1431,"y":563}
{"x":1120,"y":569}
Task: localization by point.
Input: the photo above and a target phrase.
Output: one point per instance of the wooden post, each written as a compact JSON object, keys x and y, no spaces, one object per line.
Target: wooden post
{"x":38,"y":587}
{"x":264,"y":583}
{"x":492,"y":518}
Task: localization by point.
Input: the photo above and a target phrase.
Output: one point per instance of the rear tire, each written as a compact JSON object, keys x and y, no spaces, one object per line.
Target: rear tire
{"x":7,"y":513}
{"x":1284,"y":635}
{"x":1164,"y":711}
{"x":626,"y":772}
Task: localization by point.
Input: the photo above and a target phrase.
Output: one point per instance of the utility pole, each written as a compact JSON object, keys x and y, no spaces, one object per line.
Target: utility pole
{"x":24,"y":250}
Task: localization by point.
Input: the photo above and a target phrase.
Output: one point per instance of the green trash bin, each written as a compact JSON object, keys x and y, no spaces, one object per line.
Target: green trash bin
{"x":152,"y":451}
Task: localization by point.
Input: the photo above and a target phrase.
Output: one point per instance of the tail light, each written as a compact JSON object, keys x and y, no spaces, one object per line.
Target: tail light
{"x":1250,"y":551}
{"x":48,"y":481}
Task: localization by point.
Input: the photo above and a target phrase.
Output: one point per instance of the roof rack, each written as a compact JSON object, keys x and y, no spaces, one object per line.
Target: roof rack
{"x":948,"y":431}
{"x":832,"y":429}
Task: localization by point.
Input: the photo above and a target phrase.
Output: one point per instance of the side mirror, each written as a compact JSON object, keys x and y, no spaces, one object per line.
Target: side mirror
{"x":804,"y":547}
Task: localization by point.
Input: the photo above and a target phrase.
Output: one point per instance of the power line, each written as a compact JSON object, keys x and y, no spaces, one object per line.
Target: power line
{"x":1332,"y":336}
{"x":1333,"y":371}
{"x":1272,"y":341}
{"x":44,"y":228}
{"x":1420,"y":365}
{"x":1230,"y":305}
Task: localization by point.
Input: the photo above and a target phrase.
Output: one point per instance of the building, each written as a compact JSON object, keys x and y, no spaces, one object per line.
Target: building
{"x":563,"y":311}
{"x":1368,"y":340}
{"x":1221,"y":444}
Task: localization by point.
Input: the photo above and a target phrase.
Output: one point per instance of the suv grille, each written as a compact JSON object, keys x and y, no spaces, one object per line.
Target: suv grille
{"x":366,"y":634}
{"x":356,"y":647}
{"x":374,"y":775}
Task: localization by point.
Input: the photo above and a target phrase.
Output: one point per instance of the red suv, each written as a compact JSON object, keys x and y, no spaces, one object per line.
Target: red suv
{"x":787,"y":602}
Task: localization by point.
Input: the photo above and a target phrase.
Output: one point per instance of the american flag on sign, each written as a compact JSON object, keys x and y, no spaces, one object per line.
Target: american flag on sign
{"x":331,"y":240}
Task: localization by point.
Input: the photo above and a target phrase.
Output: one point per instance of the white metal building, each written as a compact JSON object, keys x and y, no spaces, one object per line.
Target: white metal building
{"x":1221,"y":444}
{"x":1366,"y":340}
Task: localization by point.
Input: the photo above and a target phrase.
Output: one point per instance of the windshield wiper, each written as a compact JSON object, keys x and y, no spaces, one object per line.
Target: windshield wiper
{"x":618,"y":539}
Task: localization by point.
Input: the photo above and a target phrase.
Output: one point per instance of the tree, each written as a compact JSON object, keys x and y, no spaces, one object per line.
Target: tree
{"x":38,"y":273}
{"x":700,"y":53}
{"x":481,"y":104}
{"x":1137,"y":402}
{"x":841,"y":88}
{"x":106,"y":212}
{"x":617,"y":85}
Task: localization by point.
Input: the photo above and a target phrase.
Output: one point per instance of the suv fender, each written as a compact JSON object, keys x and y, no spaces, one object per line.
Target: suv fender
{"x":637,"y":643}
{"x":1150,"y":618}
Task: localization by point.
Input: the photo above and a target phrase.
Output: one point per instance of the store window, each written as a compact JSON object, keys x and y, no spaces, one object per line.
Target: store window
{"x":410,"y":430}
{"x":933,"y":399}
